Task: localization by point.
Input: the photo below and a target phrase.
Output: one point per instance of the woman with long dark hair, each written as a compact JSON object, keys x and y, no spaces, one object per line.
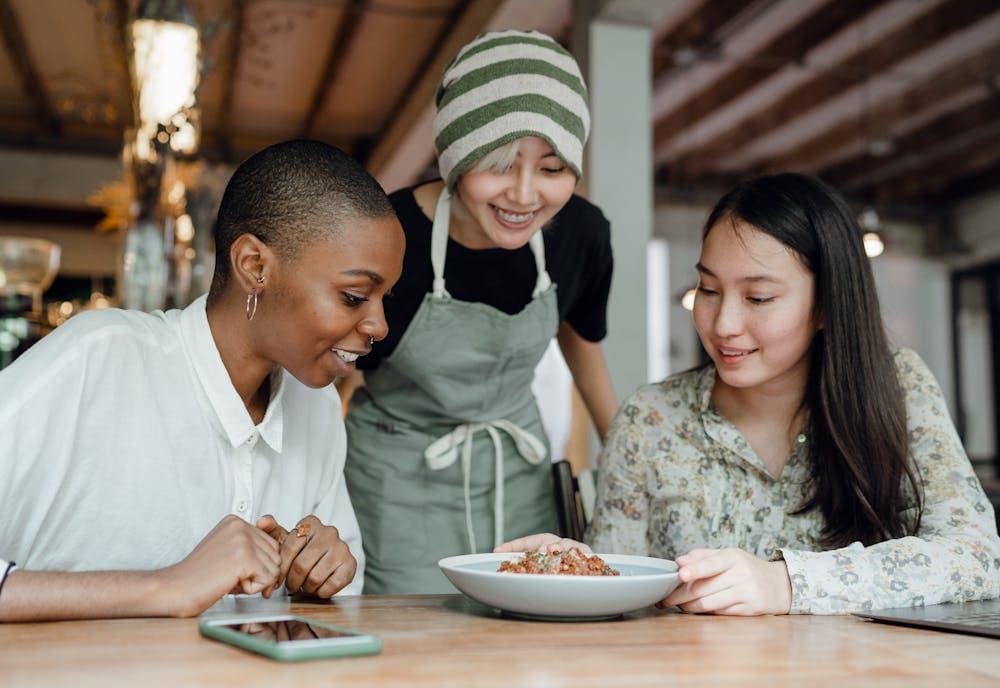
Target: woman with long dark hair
{"x":808,"y":467}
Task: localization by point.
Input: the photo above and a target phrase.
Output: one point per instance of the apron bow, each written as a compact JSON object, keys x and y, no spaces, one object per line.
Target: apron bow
{"x":444,"y":451}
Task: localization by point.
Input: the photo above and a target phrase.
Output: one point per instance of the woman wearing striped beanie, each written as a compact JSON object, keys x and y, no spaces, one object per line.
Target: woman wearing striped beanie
{"x":447,"y":453}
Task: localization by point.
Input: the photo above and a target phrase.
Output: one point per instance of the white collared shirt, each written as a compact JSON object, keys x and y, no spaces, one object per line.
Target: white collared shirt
{"x":123,"y":443}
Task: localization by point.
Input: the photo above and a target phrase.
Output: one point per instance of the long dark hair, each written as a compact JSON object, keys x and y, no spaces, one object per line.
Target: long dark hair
{"x":857,"y":429}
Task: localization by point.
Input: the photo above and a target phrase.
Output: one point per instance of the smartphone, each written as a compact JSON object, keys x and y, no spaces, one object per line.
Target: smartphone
{"x":289,"y":638}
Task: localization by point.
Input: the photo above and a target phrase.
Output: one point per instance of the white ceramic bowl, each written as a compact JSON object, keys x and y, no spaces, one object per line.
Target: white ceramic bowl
{"x":643,"y":581}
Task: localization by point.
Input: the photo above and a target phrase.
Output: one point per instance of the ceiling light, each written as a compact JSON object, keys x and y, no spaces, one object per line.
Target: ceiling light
{"x":869,"y":219}
{"x":880,"y":146}
{"x":165,"y":60}
{"x":873,"y":244}
{"x":165,"y":71}
{"x":184,"y":229}
{"x":870,"y":222}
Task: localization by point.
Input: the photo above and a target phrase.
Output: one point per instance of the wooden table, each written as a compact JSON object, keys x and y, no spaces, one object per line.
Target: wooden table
{"x":440,"y":640}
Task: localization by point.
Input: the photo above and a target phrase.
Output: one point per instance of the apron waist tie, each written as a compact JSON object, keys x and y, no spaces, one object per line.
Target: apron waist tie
{"x":443,"y":452}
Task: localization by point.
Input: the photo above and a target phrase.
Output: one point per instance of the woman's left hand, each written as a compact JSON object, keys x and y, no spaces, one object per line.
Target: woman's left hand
{"x":730,"y":581}
{"x":314,"y":560}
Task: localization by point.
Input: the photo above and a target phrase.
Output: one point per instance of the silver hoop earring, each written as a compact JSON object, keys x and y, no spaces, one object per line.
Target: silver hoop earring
{"x":251,"y":305}
{"x":372,"y":342}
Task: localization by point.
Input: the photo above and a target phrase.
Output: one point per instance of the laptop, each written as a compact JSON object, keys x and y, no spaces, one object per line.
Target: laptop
{"x":975,"y":618}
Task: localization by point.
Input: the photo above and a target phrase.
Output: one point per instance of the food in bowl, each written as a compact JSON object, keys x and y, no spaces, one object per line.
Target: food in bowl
{"x":572,"y":562}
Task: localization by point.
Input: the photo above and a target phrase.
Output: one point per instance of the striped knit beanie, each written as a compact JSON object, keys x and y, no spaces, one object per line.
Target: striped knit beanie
{"x":504,"y":86}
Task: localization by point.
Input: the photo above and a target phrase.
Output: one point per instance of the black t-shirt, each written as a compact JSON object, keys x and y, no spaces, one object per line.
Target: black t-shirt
{"x":577,"y":257}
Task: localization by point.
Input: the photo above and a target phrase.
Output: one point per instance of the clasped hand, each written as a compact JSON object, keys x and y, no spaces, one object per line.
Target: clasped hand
{"x":314,"y":560}
{"x":238,"y":557}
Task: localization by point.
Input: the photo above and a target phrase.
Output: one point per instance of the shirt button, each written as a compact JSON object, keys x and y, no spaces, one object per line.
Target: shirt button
{"x":251,"y":439}
{"x":241,"y":506}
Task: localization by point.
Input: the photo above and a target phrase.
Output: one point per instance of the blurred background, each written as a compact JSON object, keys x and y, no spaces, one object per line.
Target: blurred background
{"x":121,"y":120}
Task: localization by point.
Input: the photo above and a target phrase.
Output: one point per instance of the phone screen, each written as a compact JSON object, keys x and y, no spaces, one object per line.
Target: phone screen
{"x":287,"y":630}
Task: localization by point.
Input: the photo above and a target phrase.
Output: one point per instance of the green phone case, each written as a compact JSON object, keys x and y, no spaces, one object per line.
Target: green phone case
{"x":290,"y":651}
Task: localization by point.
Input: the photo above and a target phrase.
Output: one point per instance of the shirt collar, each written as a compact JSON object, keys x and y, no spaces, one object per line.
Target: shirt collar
{"x":230,"y":414}
{"x":272,"y":427}
{"x":717,"y":427}
{"x":703,"y":387}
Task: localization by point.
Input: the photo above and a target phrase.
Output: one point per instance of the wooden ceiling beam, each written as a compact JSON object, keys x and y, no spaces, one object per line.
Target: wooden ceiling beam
{"x":981,"y":68}
{"x":966,"y":186}
{"x":31,"y":82}
{"x":123,"y":47}
{"x":788,"y":47}
{"x":697,"y":31}
{"x":224,"y":130}
{"x":706,"y":189}
{"x":928,"y":28}
{"x":57,"y":143}
{"x":334,"y":64}
{"x":416,"y":104}
{"x":53,"y":177}
{"x":930,"y":140}
{"x":17,"y":213}
{"x":931,"y":176}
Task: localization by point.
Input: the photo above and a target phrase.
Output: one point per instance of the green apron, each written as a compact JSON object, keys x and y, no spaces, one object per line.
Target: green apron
{"x":446,"y":451}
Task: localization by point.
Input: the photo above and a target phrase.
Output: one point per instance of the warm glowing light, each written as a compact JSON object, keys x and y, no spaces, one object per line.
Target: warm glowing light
{"x":166,"y":68}
{"x":873,"y":244}
{"x":141,"y":149}
{"x":184,"y":230}
{"x":176,"y":193}
{"x":687,"y":301}
{"x":185,"y":138}
{"x":99,"y":300}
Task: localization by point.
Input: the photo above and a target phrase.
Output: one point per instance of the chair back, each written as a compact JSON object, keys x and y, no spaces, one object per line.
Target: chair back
{"x":574,"y":497}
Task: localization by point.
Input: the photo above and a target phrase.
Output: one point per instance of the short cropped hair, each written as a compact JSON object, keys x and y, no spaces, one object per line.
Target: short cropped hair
{"x":292,"y":195}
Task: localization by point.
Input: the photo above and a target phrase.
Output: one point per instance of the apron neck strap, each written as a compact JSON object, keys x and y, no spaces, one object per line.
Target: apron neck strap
{"x":543,"y":282}
{"x":439,"y":247}
{"x":439,"y":239}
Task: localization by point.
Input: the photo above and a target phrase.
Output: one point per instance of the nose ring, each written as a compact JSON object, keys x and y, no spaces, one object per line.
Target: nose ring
{"x":371,"y":340}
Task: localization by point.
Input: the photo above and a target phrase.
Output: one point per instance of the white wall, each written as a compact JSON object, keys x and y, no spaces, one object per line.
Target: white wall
{"x":915,"y":295}
{"x":681,"y":226}
{"x":620,"y":181}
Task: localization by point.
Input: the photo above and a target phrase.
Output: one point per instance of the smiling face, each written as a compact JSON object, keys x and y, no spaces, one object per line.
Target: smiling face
{"x":754,"y":309}
{"x":503,"y":209}
{"x":321,"y":309}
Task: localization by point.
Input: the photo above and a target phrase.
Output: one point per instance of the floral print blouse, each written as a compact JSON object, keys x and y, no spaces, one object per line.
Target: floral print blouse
{"x":675,"y":476}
